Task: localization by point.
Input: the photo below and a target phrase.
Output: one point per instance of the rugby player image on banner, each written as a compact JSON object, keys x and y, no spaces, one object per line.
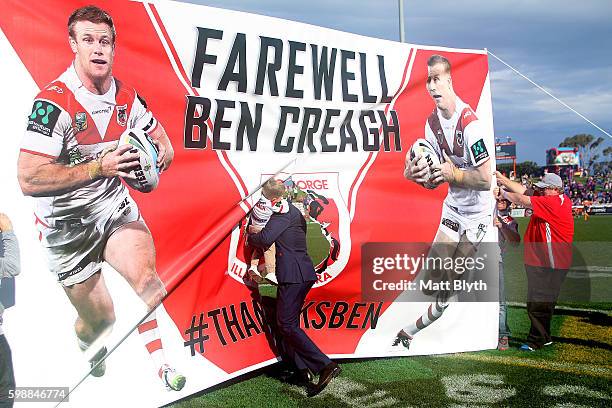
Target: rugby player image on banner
{"x":71,"y":163}
{"x":462,"y":145}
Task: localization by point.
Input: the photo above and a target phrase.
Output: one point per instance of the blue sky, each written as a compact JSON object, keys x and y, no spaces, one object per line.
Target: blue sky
{"x":565,"y":46}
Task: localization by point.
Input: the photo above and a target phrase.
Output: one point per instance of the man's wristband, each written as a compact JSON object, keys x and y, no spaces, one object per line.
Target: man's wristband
{"x":94,"y":168}
{"x":505,"y":195}
{"x":457,"y":176}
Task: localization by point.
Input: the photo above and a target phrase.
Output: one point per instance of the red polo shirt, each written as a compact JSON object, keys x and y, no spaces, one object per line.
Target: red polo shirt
{"x":549,"y":235}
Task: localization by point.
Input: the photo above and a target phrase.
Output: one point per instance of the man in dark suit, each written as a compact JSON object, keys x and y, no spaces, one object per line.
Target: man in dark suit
{"x":296,"y":275}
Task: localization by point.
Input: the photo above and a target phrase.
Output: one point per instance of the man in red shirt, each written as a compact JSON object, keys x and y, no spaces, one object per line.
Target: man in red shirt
{"x":548,"y":250}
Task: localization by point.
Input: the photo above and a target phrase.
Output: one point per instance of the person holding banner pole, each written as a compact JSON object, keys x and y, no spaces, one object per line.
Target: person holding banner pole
{"x":296,"y":276}
{"x":548,"y":250}
{"x":70,"y":163}
{"x":9,"y":267}
{"x":462,"y":143}
{"x":507,"y":235}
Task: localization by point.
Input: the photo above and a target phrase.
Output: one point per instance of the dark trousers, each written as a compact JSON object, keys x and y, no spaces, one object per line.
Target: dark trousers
{"x":296,"y":345}
{"x":543,"y":287}
{"x":7,"y":378}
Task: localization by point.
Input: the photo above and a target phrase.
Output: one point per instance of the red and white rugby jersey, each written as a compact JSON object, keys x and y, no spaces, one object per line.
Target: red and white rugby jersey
{"x":468,"y":146}
{"x":71,"y":125}
{"x":261,"y":212}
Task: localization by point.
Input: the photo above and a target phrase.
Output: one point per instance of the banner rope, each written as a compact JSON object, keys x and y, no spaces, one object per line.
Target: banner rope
{"x":548,"y":93}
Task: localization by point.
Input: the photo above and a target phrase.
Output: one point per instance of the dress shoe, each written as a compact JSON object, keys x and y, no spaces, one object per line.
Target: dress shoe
{"x":329,"y":372}
{"x":296,"y":377}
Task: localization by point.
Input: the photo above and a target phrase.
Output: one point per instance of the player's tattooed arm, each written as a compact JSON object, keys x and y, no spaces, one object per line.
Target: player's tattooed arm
{"x":41,"y":176}
{"x":166,"y":151}
{"x":475,"y":179}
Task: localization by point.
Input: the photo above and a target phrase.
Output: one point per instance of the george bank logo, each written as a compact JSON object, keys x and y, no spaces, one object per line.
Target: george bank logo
{"x":318,"y":197}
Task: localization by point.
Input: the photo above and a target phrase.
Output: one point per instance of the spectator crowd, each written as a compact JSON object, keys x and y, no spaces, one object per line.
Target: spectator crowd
{"x":595,"y":189}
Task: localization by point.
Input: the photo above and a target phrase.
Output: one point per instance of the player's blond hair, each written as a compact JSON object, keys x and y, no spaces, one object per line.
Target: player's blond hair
{"x":273,"y":188}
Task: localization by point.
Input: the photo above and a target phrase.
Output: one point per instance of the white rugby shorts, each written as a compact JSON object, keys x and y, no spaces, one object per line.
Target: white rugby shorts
{"x":476,"y":226}
{"x":75,"y":249}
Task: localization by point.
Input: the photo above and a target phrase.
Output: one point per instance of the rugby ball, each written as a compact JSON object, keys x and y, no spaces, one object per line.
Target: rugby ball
{"x":421,"y":147}
{"x":146,"y":173}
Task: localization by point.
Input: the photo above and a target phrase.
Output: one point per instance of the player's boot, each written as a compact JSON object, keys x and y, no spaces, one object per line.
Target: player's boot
{"x":98,"y":368}
{"x":402,"y":338}
{"x":255,"y":275}
{"x":171,"y":379}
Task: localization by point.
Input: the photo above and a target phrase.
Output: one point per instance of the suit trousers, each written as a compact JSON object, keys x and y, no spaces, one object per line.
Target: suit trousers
{"x":296,"y":344}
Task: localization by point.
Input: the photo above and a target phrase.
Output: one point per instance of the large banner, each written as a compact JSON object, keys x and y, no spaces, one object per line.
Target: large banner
{"x":243,"y":98}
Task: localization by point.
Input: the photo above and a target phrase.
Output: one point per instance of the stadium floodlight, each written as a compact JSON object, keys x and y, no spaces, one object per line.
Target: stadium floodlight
{"x":401,"y":20}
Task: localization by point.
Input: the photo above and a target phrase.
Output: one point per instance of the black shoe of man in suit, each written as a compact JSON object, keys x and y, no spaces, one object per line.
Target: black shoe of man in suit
{"x":296,"y":377}
{"x":329,"y":372}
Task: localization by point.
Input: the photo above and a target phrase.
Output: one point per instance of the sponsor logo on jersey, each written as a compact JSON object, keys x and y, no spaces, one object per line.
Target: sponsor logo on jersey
{"x":479,"y":151}
{"x":450,"y":224}
{"x":125,"y":208}
{"x":122,"y":115}
{"x":80,"y":121}
{"x":43,"y":117}
{"x":104,"y":110}
{"x":80,"y":267}
{"x":56,"y":89}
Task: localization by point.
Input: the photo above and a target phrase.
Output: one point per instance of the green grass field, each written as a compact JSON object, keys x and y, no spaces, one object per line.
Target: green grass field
{"x":576,"y":371}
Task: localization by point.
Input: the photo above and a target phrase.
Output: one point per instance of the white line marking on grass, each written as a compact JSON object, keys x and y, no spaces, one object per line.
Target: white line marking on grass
{"x":575,"y":309}
{"x":592,"y":268}
{"x":477,"y":388}
{"x":604,"y":371}
{"x":558,"y":390}
{"x":348,"y":392}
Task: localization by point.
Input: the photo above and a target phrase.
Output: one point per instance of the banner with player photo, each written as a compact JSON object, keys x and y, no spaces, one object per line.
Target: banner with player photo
{"x":243,"y":98}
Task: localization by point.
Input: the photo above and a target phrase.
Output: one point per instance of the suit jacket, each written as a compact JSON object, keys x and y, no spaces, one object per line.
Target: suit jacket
{"x":288,"y":232}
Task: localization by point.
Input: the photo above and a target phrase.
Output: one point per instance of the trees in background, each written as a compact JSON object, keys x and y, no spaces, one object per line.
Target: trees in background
{"x":588,"y":147}
{"x":527,"y":167}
